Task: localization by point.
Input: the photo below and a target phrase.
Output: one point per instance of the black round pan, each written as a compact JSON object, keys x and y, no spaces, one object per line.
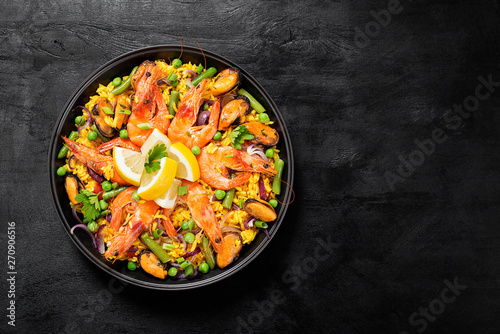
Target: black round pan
{"x":65,"y":124}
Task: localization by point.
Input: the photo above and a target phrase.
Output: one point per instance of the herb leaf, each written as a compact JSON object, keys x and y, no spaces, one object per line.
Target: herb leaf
{"x":152,"y":162}
{"x":91,"y":208}
{"x":239,"y":135}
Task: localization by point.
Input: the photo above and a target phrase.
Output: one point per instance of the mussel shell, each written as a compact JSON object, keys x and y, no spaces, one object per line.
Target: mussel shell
{"x":103,"y":128}
{"x":144,"y":260}
{"x":72,"y":186}
{"x":260,"y":210}
{"x":229,"y":254}
{"x":231,"y":77}
{"x":227,"y":117}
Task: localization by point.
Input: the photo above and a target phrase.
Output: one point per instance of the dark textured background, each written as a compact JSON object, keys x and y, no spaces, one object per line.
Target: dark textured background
{"x":352,"y":107}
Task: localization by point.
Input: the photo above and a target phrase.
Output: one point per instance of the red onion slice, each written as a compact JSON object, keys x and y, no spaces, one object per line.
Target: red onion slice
{"x":248,"y":221}
{"x":100,"y":239}
{"x":227,"y":229}
{"x":87,"y":123}
{"x":266,"y":232}
{"x":191,"y":73}
{"x":203,"y":118}
{"x":163,"y":81}
{"x":84,"y":227}
{"x":180,"y":237}
{"x":189,"y":254}
{"x":95,"y":176}
{"x":73,"y":211}
{"x":253,"y":149}
{"x":69,"y":162}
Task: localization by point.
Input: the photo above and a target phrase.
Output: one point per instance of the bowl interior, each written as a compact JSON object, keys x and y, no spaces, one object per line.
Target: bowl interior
{"x":65,"y":124}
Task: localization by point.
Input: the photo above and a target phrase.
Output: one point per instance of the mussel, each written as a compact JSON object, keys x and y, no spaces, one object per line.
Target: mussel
{"x":72,"y":185}
{"x":231,"y":247}
{"x":152,"y":264}
{"x":263,"y":134}
{"x":233,"y":112}
{"x":260,"y":210}
{"x":122,"y":107}
{"x":99,"y":116}
{"x":226,"y":81}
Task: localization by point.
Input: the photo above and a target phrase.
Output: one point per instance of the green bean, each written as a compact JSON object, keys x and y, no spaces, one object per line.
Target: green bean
{"x":228,"y":200}
{"x":125,"y":85}
{"x":278,"y":165}
{"x":253,"y":102}
{"x":207,"y":74}
{"x":174,"y":97}
{"x":64,"y":150}
{"x":155,"y":248}
{"x":208,"y":253}
{"x":110,"y":194}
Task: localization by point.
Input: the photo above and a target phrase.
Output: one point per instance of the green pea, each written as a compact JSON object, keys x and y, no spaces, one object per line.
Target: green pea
{"x":123,"y":134}
{"x":205,"y":106}
{"x":117,"y":81}
{"x":263,"y":117}
{"x":92,"y":136}
{"x":218,"y":136}
{"x":189,"y":270}
{"x":132,"y":266}
{"x":185,"y":226}
{"x":103,"y":204}
{"x":273,"y":203}
{"x":78,"y":120}
{"x":189,"y":237}
{"x":157,"y":233}
{"x":115,"y":185}
{"x":269,"y":152}
{"x":196,"y":150}
{"x":92,"y":226}
{"x":106,"y":186}
{"x":204,"y":267}
{"x":220,"y":194}
{"x":176,"y":63}
{"x":172,"y":271}
{"x":61,"y":171}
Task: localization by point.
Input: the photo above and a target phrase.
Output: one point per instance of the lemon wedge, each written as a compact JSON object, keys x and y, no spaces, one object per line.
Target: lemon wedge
{"x":155,"y":138}
{"x":167,"y":200}
{"x":156,"y":183}
{"x":187,"y":168}
{"x":129,"y":164}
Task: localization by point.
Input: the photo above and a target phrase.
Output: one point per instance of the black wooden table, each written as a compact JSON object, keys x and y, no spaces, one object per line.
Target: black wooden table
{"x":392,"y":108}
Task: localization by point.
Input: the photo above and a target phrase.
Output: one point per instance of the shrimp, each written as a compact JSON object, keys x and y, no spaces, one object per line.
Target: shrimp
{"x":142,"y":216}
{"x":125,"y":143}
{"x":93,"y":159}
{"x":202,"y":213}
{"x":148,"y":104}
{"x":182,"y":129}
{"x":167,"y":223}
{"x":213,"y":167}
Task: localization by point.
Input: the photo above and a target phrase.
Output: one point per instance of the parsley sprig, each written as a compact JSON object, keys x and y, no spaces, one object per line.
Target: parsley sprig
{"x":239,"y":135}
{"x":91,"y":208}
{"x":152,"y":162}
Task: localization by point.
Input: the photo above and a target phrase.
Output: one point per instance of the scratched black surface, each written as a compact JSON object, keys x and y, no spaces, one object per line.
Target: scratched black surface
{"x":353,"y":107}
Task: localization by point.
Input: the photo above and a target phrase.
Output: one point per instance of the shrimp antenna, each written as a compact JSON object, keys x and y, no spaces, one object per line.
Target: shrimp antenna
{"x":181,"y":50}
{"x":205,"y":59}
{"x":293,"y":194}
